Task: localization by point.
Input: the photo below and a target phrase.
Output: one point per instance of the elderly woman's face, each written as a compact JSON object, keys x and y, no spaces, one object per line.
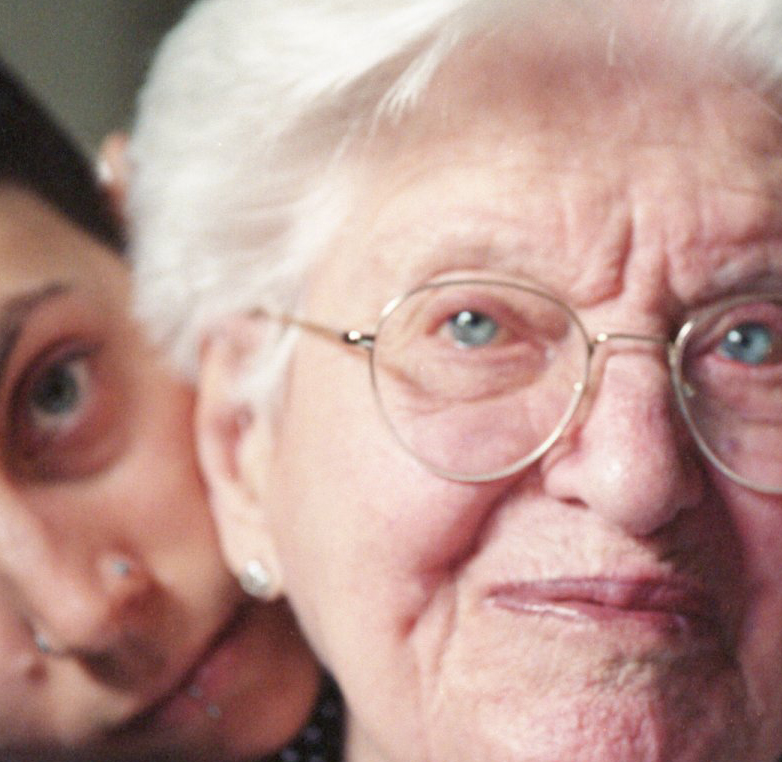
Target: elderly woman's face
{"x":107,"y":550}
{"x":619,"y":599}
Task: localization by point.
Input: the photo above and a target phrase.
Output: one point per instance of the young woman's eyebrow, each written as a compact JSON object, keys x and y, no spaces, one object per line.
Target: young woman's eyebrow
{"x":16,"y":311}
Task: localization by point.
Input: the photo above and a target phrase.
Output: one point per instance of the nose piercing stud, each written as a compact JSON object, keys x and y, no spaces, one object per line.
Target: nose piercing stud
{"x":120,"y":567}
{"x":42,"y":643}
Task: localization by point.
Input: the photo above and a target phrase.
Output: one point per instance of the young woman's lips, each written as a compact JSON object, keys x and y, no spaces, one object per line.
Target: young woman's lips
{"x":192,"y":696}
{"x":671,"y":605}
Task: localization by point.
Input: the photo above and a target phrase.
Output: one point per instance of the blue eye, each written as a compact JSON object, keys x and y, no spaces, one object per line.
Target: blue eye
{"x":58,"y":392}
{"x":750,"y":343}
{"x":472,"y":329}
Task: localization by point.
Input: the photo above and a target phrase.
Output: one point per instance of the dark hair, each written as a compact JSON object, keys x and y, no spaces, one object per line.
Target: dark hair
{"x":37,"y":155}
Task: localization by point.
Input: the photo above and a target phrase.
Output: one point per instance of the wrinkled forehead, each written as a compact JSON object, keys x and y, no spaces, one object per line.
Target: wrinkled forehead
{"x":550,"y":154}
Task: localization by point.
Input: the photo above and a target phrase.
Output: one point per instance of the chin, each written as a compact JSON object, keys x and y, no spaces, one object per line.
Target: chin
{"x":643,"y":730}
{"x":661,"y":707}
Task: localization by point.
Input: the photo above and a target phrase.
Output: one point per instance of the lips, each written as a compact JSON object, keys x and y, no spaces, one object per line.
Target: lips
{"x":164,"y":710}
{"x":674,"y":605}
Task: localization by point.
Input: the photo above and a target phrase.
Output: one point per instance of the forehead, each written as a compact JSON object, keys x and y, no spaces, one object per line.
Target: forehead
{"x":38,"y":245}
{"x":585,"y":179}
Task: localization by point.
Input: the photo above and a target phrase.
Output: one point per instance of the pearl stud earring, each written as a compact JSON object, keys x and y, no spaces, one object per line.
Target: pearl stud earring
{"x":256,"y":580}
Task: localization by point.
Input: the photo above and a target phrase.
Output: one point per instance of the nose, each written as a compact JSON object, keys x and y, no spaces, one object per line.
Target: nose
{"x":78,"y":598}
{"x":628,"y":456}
{"x":87,"y":610}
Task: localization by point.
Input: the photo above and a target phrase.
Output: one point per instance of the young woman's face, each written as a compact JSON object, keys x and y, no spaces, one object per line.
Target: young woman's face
{"x":120,"y":628}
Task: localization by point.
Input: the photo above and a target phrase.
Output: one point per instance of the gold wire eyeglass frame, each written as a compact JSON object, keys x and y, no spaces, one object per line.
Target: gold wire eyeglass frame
{"x":674,"y":350}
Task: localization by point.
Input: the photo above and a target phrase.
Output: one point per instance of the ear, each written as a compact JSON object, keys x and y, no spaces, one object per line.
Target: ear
{"x":234,"y":443}
{"x":113,"y":172}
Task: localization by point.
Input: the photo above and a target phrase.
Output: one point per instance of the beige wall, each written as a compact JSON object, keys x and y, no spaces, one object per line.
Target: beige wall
{"x":84,"y":58}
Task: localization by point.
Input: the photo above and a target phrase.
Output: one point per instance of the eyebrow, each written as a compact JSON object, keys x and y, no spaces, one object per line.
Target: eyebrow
{"x":15,"y":313}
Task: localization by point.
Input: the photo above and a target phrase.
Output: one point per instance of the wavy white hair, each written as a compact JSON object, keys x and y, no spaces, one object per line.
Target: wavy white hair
{"x":250,"y":103}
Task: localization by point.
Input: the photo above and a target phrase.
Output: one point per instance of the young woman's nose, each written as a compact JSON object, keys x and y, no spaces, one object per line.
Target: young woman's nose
{"x":90,"y":610}
{"x":629,"y":455}
{"x":77,"y":599}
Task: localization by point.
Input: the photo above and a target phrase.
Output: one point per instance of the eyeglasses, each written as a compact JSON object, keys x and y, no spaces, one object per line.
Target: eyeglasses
{"x":478,"y":378}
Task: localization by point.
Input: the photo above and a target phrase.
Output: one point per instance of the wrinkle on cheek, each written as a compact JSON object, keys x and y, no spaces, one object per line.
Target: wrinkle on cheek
{"x":441,"y":569}
{"x":759,"y":641}
{"x":762,"y":624}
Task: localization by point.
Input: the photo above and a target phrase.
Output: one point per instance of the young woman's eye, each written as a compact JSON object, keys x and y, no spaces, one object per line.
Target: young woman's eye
{"x":752,"y":343}
{"x":470,"y":328}
{"x":64,"y":415}
{"x":58,"y":394}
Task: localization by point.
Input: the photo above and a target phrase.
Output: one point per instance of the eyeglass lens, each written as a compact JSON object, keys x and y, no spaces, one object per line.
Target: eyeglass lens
{"x":730,"y":386}
{"x":478,"y":378}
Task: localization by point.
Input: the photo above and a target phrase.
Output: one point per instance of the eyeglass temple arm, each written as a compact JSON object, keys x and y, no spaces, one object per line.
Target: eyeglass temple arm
{"x":353,"y":337}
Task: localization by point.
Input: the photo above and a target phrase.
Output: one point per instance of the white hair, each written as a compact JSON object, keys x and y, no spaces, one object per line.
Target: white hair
{"x":250,"y":103}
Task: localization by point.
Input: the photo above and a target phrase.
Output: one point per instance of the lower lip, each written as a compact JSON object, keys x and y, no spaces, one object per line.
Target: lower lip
{"x":180,"y":710}
{"x":583,"y":611}
{"x":685,"y":620}
{"x":199,"y":699}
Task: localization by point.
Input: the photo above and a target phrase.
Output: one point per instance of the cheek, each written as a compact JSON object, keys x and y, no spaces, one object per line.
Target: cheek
{"x":757,"y":522}
{"x":157,"y":493}
{"x":355,"y":516}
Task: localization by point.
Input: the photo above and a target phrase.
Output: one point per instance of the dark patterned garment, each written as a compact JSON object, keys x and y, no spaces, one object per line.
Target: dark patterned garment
{"x":321,"y":738}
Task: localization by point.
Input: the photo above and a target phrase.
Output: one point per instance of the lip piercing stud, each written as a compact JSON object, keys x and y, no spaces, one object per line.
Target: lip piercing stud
{"x":213,"y":711}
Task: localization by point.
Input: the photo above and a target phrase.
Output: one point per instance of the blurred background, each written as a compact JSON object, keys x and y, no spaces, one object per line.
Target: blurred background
{"x":85,"y":58}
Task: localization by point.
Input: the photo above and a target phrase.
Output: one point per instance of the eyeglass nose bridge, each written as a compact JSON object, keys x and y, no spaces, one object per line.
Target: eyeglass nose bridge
{"x":604,"y":337}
